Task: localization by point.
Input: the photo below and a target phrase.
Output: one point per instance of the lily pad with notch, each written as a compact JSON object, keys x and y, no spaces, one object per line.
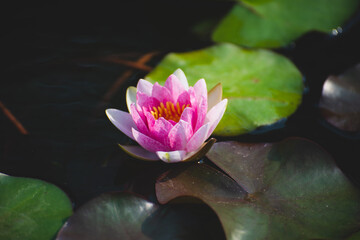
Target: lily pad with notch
{"x":286,"y":190}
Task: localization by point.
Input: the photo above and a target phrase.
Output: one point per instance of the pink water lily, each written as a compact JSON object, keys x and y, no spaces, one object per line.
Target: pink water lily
{"x":170,"y":122}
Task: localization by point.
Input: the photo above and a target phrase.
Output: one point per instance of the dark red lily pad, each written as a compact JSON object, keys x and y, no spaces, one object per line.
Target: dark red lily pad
{"x":340,"y":100}
{"x":289,"y":190}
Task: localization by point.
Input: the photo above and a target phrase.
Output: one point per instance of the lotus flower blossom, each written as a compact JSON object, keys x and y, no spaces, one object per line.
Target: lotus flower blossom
{"x":170,"y":122}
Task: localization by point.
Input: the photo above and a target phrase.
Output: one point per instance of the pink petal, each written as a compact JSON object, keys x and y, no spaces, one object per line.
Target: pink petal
{"x":122,"y":120}
{"x":201,"y":99}
{"x":171,"y":157}
{"x":143,"y":100}
{"x":139,"y":153}
{"x":175,"y":87}
{"x":141,"y":111}
{"x":200,"y":90}
{"x":145,"y":87}
{"x":177,"y":137}
{"x":198,"y":138}
{"x":192,"y":98}
{"x":215,"y":114}
{"x":162,"y":94}
{"x":188,"y":115}
{"x":141,"y":126}
{"x":148,"y":143}
{"x":149,"y":119}
{"x":160,"y":129}
{"x":201,"y":112}
{"x":183,"y":99}
{"x":130,"y":96}
{"x":182,"y":78}
{"x":187,"y":129}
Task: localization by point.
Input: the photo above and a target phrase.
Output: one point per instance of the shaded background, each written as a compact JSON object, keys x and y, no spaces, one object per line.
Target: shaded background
{"x":64,"y":64}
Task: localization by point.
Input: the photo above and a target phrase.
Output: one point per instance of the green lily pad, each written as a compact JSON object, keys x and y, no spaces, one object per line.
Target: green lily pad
{"x":289,"y":190}
{"x":126,"y":216}
{"x":275,"y":23}
{"x":110,"y":216}
{"x":262,"y":87}
{"x":31,"y":209}
{"x":340,"y":100}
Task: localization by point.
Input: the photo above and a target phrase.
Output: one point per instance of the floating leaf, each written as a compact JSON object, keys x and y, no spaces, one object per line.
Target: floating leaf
{"x":31,"y":209}
{"x":261,"y":86}
{"x":126,"y":216}
{"x":110,"y":216}
{"x":275,"y":23}
{"x":289,"y":190}
{"x":340,"y":100}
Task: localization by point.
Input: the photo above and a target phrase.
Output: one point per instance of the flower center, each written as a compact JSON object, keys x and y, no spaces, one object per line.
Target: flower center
{"x":169,"y":111}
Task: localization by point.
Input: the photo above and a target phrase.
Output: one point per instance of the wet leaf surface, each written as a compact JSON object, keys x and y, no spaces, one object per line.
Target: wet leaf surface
{"x":262,"y":87}
{"x":275,"y":23}
{"x":126,"y":216}
{"x":340,"y":100}
{"x":31,"y":209}
{"x":286,"y":190}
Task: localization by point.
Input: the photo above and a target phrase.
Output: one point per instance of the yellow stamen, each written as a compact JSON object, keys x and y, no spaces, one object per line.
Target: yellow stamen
{"x":173,"y":109}
{"x":160,"y":111}
{"x":155,"y":113}
{"x":169,"y":111}
{"x":178,"y":108}
{"x":168,"y":106}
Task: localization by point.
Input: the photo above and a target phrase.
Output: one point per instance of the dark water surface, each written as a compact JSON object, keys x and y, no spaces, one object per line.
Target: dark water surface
{"x":60,"y":64}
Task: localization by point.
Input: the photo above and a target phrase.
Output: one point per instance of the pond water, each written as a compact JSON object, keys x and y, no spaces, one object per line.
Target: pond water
{"x":65,"y":64}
